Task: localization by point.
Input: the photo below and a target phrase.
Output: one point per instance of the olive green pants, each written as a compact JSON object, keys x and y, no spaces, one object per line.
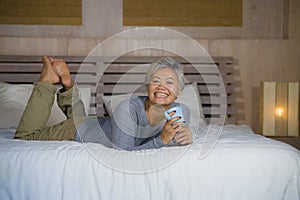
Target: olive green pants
{"x":32,"y":125}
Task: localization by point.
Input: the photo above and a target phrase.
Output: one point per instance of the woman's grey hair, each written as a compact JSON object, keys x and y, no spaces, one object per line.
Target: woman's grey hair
{"x":166,"y":62}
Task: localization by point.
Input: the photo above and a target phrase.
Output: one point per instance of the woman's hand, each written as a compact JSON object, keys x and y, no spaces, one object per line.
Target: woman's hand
{"x":184,"y":137}
{"x":171,"y":128}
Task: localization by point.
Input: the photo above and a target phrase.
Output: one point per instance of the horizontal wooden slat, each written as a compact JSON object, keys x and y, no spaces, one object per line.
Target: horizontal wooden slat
{"x":16,"y":78}
{"x":25,"y":77}
{"x":123,"y":59}
{"x":129,"y":88}
{"x":218,"y":111}
{"x":204,"y":100}
{"x":139,"y":78}
{"x":188,"y":68}
{"x":30,"y":58}
{"x":37,"y":68}
{"x":149,"y":59}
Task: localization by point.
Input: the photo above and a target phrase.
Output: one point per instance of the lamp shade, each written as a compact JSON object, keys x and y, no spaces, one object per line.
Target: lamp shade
{"x":280,"y":109}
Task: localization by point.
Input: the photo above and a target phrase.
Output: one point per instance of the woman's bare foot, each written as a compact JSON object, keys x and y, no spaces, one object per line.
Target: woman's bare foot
{"x":47,"y":74}
{"x":61,"y":69}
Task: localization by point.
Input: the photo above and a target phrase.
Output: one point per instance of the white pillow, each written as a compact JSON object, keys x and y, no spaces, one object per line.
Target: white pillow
{"x":13,"y":100}
{"x":112,"y":102}
{"x":189,"y":96}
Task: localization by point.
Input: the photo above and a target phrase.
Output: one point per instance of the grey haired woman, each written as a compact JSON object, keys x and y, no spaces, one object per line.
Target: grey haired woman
{"x":137,"y":123}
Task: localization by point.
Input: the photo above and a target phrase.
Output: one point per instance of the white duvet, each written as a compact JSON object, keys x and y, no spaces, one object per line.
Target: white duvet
{"x":237,"y":165}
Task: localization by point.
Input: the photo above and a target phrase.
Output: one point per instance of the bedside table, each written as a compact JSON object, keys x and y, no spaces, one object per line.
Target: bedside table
{"x":293,"y":141}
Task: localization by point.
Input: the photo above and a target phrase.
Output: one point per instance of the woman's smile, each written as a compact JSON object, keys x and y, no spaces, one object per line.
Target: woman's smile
{"x":160,"y":95}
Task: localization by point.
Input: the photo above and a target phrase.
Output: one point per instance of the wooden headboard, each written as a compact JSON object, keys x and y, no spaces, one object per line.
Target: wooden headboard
{"x":102,"y":76}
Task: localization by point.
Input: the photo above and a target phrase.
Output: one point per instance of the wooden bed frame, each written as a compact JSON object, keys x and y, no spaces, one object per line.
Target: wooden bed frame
{"x":102,"y":76}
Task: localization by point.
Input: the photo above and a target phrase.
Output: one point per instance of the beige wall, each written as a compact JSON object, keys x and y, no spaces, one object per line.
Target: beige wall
{"x":265,"y":47}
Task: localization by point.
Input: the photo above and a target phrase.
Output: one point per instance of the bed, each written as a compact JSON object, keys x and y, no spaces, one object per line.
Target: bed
{"x":228,"y":161}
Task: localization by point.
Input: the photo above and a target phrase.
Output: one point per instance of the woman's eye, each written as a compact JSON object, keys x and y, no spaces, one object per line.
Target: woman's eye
{"x":170,"y":83}
{"x":155,"y":81}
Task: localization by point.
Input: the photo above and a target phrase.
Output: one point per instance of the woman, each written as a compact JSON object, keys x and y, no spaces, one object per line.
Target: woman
{"x":137,"y":123}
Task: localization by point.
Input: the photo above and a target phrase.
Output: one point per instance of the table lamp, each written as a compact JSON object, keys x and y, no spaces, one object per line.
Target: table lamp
{"x":280,"y":109}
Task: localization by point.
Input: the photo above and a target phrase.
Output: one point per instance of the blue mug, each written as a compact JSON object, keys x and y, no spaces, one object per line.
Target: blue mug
{"x":178,"y":112}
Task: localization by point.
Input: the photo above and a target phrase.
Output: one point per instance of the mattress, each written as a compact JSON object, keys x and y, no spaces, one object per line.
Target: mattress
{"x":223,"y":162}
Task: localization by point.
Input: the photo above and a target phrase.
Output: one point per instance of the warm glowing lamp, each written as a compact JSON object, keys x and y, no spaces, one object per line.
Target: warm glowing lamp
{"x":280,"y":109}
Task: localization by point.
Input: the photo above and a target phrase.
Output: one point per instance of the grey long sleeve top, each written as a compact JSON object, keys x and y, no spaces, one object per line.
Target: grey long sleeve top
{"x":131,"y":129}
{"x":128,"y":128}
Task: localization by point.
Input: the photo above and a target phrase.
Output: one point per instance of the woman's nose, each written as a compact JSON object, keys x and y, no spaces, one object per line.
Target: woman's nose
{"x":161,"y":85}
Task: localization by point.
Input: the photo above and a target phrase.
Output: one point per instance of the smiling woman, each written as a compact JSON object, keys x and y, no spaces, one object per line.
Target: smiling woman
{"x":147,"y":128}
{"x":137,"y":123}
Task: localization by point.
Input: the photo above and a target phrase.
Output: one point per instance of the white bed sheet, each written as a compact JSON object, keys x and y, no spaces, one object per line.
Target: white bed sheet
{"x":241,"y":165}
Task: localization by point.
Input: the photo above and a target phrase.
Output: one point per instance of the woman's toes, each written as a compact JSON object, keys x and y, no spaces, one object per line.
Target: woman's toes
{"x":47,"y":74}
{"x":61,"y":69}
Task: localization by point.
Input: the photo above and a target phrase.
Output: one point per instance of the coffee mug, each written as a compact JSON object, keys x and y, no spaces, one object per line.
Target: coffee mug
{"x":178,"y":112}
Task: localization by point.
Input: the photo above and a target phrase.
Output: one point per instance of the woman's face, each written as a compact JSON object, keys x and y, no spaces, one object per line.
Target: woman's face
{"x":163,"y":87}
